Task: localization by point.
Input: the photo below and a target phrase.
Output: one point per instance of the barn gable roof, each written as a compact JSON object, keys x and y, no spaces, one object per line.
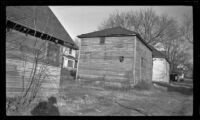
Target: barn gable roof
{"x":116,"y":31}
{"x":159,"y":54}
{"x":45,"y":21}
{"x":113,"y":32}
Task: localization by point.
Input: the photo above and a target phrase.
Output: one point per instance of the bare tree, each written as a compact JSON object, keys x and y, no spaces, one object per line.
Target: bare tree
{"x":154,"y":29}
{"x":34,"y":57}
{"x":187,"y":28}
{"x":146,"y":22}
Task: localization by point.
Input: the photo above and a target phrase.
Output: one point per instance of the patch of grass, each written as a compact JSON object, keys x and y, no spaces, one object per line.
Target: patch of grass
{"x":142,"y":85}
{"x":152,"y":101}
{"x":182,"y":90}
{"x":104,"y":101}
{"x":179,"y":89}
{"x":115,"y":88}
{"x":13,"y":103}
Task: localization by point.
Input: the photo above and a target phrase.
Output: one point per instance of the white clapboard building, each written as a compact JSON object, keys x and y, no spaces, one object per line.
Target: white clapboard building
{"x":161,"y":66}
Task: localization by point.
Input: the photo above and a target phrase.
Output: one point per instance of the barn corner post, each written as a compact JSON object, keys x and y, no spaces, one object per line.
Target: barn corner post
{"x":61,"y":61}
{"x":135,"y":52}
{"x":77,"y":70}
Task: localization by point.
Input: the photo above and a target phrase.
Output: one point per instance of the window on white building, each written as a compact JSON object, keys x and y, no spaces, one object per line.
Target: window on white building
{"x":68,"y":63}
{"x":68,"y":51}
{"x":71,"y":63}
{"x":65,"y":50}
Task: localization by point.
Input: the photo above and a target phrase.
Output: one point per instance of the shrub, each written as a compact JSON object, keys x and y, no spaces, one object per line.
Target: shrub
{"x":13,"y":103}
{"x":46,"y":108}
{"x":40,"y":109}
{"x":52,"y":100}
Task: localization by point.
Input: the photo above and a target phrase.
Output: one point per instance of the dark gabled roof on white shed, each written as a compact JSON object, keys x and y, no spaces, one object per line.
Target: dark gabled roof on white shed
{"x":159,"y":54}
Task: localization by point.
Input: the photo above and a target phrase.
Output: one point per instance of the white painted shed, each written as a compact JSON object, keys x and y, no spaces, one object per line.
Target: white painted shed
{"x":161,"y":67}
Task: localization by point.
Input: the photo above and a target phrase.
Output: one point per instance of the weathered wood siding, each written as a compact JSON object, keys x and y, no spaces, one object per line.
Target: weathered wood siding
{"x":143,"y":69}
{"x":101,"y":61}
{"x":16,"y":80}
{"x":20,"y":47}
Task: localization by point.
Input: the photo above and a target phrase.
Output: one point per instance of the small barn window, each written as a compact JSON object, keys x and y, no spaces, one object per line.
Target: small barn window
{"x":68,"y":63}
{"x":121,"y":58}
{"x":102,"y":40}
{"x":65,"y":51}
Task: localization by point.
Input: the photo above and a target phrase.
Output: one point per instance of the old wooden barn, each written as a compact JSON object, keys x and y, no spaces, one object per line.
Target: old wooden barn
{"x":35,"y":40}
{"x":116,"y":57}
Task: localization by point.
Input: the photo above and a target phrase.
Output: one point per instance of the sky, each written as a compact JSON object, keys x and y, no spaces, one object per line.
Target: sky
{"x":79,"y":20}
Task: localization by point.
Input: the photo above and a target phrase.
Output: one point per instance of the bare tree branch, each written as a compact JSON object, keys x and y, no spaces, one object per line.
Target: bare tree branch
{"x":154,"y":29}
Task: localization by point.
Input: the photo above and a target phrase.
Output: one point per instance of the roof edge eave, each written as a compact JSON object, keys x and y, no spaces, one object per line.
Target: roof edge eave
{"x":119,"y":35}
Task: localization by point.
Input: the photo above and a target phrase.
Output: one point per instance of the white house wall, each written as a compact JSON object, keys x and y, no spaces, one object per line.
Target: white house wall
{"x":66,"y":51}
{"x":160,"y":70}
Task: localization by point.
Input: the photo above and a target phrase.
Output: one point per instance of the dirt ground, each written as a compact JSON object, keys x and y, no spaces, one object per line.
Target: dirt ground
{"x":88,"y":100}
{"x":75,"y":99}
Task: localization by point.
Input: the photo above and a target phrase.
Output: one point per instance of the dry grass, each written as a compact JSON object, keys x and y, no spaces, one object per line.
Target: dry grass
{"x":83,"y":99}
{"x":174,"y":88}
{"x":150,"y":101}
{"x":142,"y":85}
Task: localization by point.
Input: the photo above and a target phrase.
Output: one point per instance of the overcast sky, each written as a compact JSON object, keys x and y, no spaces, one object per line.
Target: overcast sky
{"x":83,"y":19}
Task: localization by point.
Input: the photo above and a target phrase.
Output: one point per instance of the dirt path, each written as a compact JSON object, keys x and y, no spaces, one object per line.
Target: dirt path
{"x":81,"y":100}
{"x":133,"y":103}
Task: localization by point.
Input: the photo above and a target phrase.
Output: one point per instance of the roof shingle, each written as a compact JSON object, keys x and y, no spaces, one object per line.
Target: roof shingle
{"x":159,"y":54}
{"x":113,"y":32}
{"x":116,"y":31}
{"x":45,"y":21}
